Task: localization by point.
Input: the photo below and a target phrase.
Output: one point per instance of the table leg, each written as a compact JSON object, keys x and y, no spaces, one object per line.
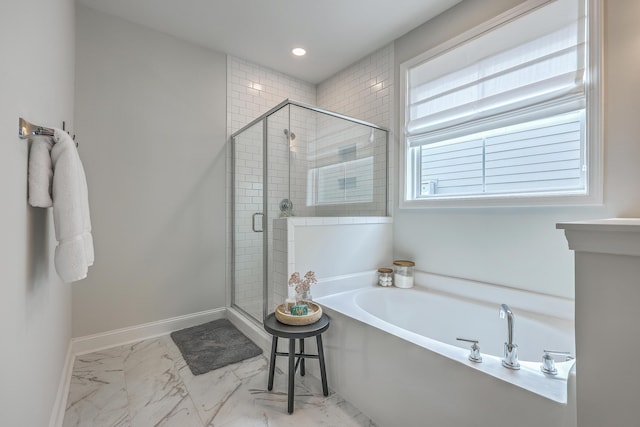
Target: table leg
{"x":323,"y":372}
{"x":272,"y":362}
{"x":292,"y":373}
{"x":302,"y":357}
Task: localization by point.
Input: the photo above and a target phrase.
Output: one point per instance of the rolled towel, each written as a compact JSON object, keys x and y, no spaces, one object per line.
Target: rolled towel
{"x":74,"y":253}
{"x":40,"y":172}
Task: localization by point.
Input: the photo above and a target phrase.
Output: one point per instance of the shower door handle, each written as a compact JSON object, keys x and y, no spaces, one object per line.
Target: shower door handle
{"x":253,"y":222}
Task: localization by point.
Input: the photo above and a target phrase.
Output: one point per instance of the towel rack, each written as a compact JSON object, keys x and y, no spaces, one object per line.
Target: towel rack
{"x":26,"y":129}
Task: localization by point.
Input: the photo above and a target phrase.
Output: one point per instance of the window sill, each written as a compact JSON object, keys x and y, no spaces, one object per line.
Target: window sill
{"x":547,"y":200}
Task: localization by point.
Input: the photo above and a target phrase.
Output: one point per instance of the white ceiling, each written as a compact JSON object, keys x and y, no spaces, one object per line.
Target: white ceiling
{"x":336,"y":33}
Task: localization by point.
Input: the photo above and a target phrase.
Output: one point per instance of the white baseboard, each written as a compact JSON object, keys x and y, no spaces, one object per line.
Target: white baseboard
{"x":60,"y":404}
{"x":101,"y":341}
{"x":91,"y":343}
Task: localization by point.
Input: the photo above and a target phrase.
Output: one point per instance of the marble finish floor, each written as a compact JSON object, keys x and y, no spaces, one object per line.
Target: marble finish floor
{"x":149,"y":384}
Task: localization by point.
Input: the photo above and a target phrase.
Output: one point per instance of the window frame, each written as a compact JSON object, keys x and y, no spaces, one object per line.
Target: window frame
{"x":594,"y":146}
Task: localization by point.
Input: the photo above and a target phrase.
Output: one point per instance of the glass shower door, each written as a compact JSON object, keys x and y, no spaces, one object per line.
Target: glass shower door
{"x":249,"y":222}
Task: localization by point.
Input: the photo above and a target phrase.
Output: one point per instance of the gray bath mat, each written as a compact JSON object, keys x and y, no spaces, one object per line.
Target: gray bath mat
{"x":213,"y":345}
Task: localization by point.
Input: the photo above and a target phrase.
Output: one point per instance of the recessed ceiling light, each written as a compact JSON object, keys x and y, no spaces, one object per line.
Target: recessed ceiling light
{"x":298,"y":51}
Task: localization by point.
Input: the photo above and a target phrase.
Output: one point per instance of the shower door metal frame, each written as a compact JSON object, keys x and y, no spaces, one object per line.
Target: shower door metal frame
{"x":265,"y":218}
{"x":312,"y":108}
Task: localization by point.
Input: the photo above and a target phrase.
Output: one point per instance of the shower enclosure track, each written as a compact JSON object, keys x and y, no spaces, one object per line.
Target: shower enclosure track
{"x":308,"y":107}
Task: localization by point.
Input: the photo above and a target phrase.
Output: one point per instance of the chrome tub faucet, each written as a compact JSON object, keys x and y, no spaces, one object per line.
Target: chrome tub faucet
{"x":510,"y":359}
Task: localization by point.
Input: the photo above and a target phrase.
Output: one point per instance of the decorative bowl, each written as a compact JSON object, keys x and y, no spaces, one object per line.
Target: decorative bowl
{"x":314,"y":314}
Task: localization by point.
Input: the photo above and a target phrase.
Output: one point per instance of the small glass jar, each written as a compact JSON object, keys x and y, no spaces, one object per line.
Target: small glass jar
{"x":403,"y":273}
{"x":385,"y":277}
{"x":291,"y":299}
{"x":303,"y":297}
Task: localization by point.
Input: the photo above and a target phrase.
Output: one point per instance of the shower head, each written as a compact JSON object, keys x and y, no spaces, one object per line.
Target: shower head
{"x":287,"y":133}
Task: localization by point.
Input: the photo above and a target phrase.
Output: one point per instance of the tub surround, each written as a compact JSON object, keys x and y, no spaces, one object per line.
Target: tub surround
{"x":354,"y":302}
{"x":427,"y":379}
{"x":333,"y":247}
{"x":607,"y":268}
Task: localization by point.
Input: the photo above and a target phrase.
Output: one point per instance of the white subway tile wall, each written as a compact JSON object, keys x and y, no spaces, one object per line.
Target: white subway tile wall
{"x":349,"y":163}
{"x":363,"y":91}
{"x":252,"y":90}
{"x":303,"y":124}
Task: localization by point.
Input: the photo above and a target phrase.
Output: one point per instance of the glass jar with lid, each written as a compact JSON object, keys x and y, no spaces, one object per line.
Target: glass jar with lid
{"x":403,"y":273}
{"x":385,"y":277}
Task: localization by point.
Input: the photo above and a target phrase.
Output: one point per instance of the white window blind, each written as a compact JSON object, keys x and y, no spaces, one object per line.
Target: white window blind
{"x":502,"y":112}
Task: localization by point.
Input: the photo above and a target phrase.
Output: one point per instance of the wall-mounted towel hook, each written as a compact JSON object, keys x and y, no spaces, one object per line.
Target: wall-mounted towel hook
{"x":72,"y":137}
{"x":26,"y":129}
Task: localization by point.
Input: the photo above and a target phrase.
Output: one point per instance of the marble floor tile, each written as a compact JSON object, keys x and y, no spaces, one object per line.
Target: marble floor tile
{"x":148,"y":384}
{"x":208,"y":391}
{"x":157,"y":394}
{"x":97,"y":394}
{"x":250,"y":367}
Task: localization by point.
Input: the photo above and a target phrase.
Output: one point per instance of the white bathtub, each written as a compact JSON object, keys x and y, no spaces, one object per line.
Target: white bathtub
{"x":393,"y":352}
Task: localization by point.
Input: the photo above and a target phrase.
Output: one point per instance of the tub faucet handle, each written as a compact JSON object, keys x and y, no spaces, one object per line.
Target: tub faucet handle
{"x":549,"y":364}
{"x":474,"y":354}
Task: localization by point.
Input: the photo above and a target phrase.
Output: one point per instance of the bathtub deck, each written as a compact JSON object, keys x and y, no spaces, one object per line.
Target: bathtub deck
{"x":528,"y":377}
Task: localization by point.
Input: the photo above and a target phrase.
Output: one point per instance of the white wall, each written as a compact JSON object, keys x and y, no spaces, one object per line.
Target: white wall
{"x":622,"y":108}
{"x":520,"y":247}
{"x":150,"y":114}
{"x":36,"y":82}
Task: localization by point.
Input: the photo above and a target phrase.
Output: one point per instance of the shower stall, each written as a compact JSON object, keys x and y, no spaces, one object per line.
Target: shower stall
{"x":297,"y":160}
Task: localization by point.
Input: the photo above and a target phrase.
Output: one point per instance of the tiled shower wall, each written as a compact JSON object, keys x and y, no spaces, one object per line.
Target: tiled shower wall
{"x":363,"y":91}
{"x":350,"y":162}
{"x":253,"y":90}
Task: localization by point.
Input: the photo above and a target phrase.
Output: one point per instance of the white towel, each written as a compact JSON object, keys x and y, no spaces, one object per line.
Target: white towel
{"x":40,"y":172}
{"x":74,"y":253}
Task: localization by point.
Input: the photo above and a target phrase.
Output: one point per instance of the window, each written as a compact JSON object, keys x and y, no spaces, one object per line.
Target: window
{"x":507,"y":113}
{"x":346,"y":182}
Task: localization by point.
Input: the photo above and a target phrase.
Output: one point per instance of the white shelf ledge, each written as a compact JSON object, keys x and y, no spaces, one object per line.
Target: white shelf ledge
{"x":617,"y":236}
